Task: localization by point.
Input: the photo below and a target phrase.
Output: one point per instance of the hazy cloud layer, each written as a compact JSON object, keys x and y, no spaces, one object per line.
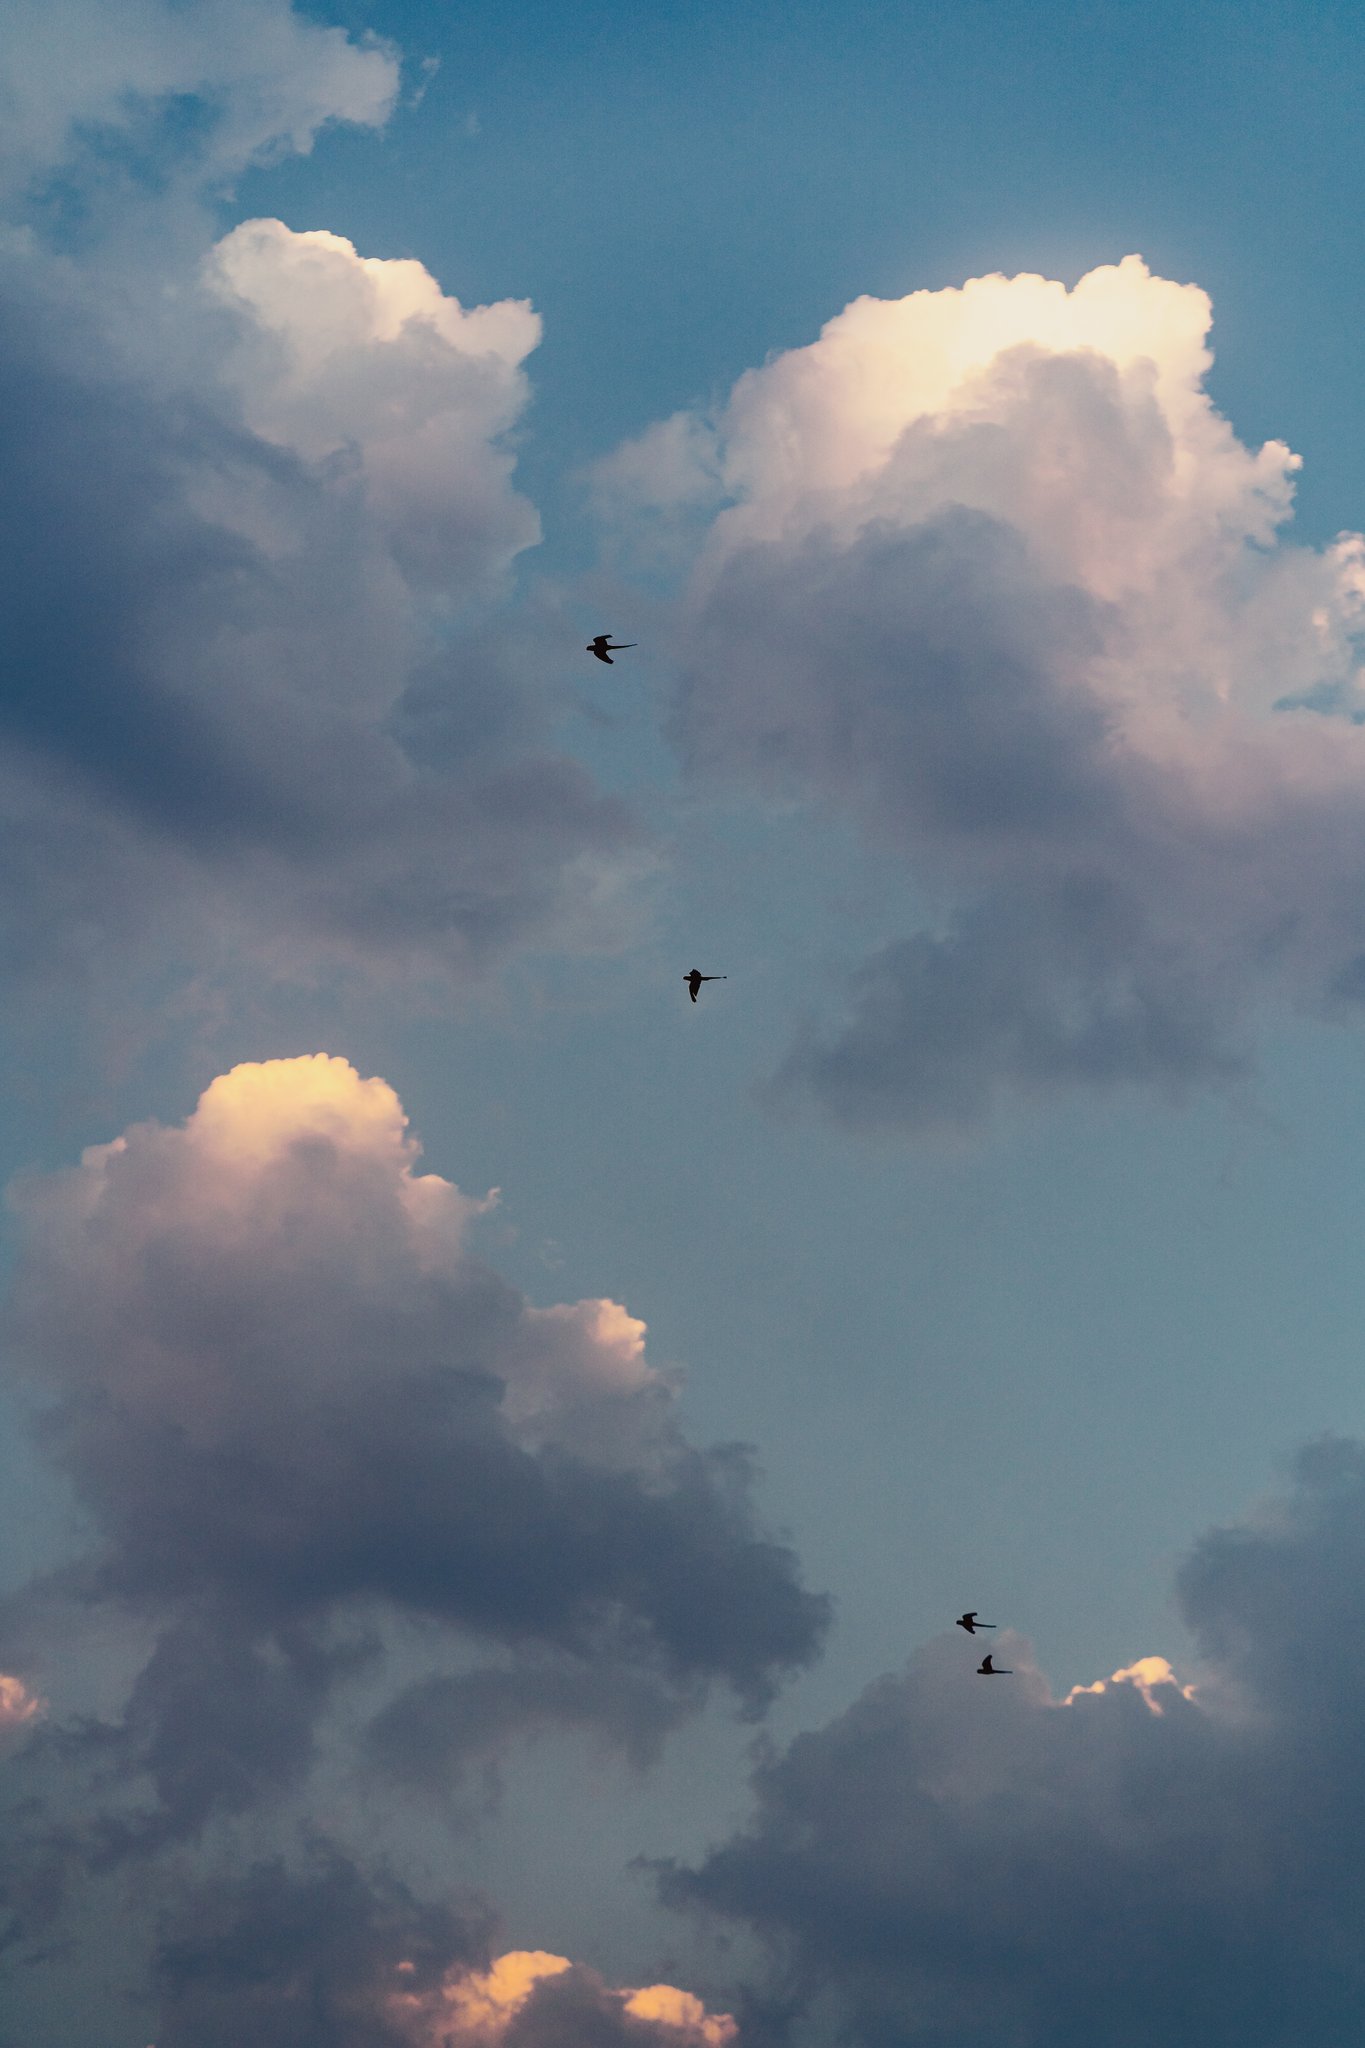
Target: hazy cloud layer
{"x":294,"y":1404}
{"x":954,"y":1861}
{"x":986,"y":569}
{"x":257,"y":507}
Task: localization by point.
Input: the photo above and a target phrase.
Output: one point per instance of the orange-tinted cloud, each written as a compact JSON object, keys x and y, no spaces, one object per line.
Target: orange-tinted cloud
{"x":18,"y":1706}
{"x":478,"y":2009}
{"x":1149,"y":1676}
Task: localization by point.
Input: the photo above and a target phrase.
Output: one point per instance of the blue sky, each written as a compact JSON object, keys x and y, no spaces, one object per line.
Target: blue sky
{"x":359,"y":1566}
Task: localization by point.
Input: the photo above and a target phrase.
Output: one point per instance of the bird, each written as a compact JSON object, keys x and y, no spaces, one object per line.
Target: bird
{"x":599,"y":644}
{"x":985,"y":1669}
{"x":970,"y":1622}
{"x":695,"y":979}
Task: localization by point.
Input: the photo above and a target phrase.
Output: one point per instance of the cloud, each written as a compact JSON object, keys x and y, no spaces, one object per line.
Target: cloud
{"x":448,"y":1736}
{"x":304,"y":1958}
{"x":263,"y":702}
{"x":985,"y":570}
{"x":343,"y":355}
{"x":949,"y":1863}
{"x":18,"y":1706}
{"x":91,"y":75}
{"x":296,"y":1406}
{"x":327,"y":1954}
{"x":529,"y":1997}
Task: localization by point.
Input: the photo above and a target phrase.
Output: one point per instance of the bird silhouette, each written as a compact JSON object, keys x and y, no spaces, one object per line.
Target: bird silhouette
{"x":695,"y":979}
{"x":970,"y":1622}
{"x":985,"y":1669}
{"x":599,"y":644}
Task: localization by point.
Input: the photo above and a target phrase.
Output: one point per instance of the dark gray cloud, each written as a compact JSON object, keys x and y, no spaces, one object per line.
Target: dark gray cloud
{"x":951,"y":1862}
{"x":987,"y":573}
{"x":310,"y":1958}
{"x":448,"y":1735}
{"x":1021,"y":996}
{"x":294,"y":1404}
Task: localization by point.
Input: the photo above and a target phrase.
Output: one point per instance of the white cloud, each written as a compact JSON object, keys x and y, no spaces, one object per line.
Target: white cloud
{"x":220,"y":1274}
{"x":338,"y":352}
{"x":993,"y":574}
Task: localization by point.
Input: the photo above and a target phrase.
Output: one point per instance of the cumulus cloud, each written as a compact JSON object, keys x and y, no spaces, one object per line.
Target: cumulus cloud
{"x":985,"y":569}
{"x":340,"y":354}
{"x":295,"y":1403}
{"x":1147,"y":1859}
{"x":257,"y":511}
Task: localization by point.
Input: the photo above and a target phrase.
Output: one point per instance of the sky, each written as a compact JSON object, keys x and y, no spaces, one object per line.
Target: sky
{"x":490,"y":1451}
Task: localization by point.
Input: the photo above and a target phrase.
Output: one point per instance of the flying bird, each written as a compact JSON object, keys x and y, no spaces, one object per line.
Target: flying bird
{"x":970,"y":1622}
{"x":599,"y":644}
{"x":695,"y":979}
{"x":985,"y":1669}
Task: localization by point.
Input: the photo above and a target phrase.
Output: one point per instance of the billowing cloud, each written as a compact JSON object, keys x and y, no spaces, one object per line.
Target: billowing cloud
{"x":295,"y":1403}
{"x":257,"y":510}
{"x":985,"y":569}
{"x":341,"y":355}
{"x":952,"y":1862}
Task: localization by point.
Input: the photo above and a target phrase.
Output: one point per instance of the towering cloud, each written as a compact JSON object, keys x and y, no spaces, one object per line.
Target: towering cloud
{"x":985,"y":569}
{"x":952,"y":1862}
{"x":295,"y":1403}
